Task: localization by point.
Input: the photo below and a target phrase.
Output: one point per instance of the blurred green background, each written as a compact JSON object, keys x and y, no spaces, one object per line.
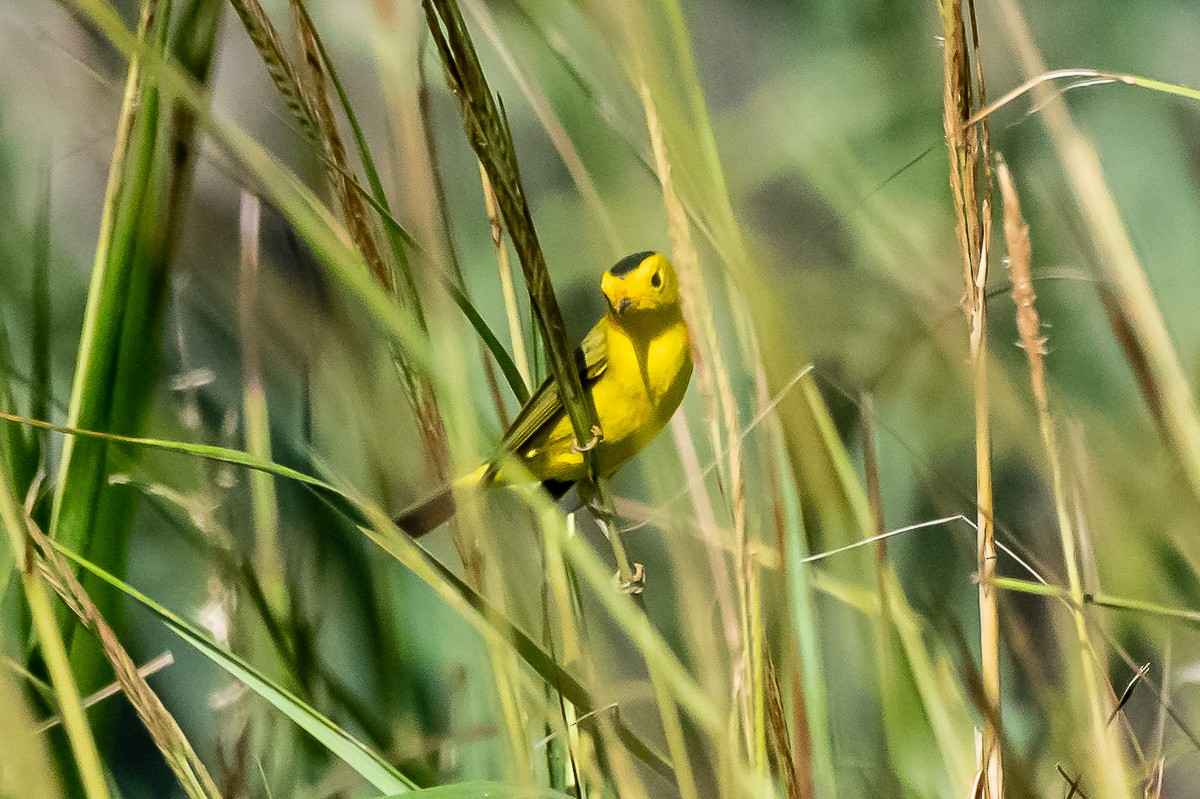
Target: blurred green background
{"x":827,"y":119}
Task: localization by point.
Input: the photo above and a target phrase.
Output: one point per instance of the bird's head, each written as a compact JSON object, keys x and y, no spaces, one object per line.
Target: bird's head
{"x":641,"y":282}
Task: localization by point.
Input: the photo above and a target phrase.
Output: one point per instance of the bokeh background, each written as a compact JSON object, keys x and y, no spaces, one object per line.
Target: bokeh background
{"x":827,"y":120}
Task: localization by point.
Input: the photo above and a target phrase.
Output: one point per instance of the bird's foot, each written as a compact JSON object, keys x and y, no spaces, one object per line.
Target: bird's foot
{"x":636,"y":583}
{"x":597,"y":437}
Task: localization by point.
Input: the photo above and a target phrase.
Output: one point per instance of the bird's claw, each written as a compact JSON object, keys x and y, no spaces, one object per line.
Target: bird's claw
{"x":597,"y":437}
{"x":636,"y":583}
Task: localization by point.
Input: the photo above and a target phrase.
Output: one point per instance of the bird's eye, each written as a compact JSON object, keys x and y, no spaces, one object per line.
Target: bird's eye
{"x":656,"y":279}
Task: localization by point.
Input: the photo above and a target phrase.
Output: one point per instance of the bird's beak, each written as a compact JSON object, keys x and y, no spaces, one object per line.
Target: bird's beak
{"x":614,"y":291}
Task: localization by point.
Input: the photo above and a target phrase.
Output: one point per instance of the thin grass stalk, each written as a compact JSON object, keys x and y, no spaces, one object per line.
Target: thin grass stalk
{"x":783,"y":755}
{"x":1172,"y":392}
{"x":86,"y":757}
{"x":506,"y":677}
{"x":314,"y":83}
{"x":40,"y":321}
{"x":488,"y":132}
{"x":970,"y":183}
{"x":756,"y":636}
{"x":668,"y":712}
{"x":706,"y":521}
{"x":1106,"y":760}
{"x":107,"y":692}
{"x":515,"y":334}
{"x":540,"y":104}
{"x":684,"y":689}
{"x":556,"y":591}
{"x":459,"y":288}
{"x":712,"y":374}
{"x":1189,"y":616}
{"x":270,"y":48}
{"x":264,"y":503}
{"x":792,"y":743}
{"x":397,"y":237}
{"x":885,"y":634}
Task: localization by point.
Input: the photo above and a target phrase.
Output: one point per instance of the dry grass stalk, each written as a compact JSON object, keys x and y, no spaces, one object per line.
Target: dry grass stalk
{"x":1016,"y":236}
{"x":487,"y":130}
{"x":270,"y":48}
{"x":316,"y":89}
{"x":520,"y":357}
{"x":970,"y":182}
{"x":167,"y":735}
{"x":1160,"y":373}
{"x":780,"y":737}
{"x":710,"y":369}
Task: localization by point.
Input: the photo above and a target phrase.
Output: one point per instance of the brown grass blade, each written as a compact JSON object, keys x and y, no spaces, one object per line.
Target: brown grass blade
{"x":316,"y":87}
{"x":193,"y":776}
{"x":970,"y":183}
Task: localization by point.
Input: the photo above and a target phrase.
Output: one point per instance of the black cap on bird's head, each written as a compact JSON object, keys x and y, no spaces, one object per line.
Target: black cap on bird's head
{"x":630,"y":262}
{"x":644,"y":281}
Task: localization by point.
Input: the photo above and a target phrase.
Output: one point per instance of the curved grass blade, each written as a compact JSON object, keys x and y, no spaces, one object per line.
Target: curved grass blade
{"x":208,"y":451}
{"x":54,"y":651}
{"x":503,"y":359}
{"x":448,"y":585}
{"x":483,"y":790}
{"x":367,"y":763}
{"x":164,"y":730}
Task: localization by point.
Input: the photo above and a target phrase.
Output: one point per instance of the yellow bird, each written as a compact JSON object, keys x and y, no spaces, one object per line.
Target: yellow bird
{"x":636,"y":363}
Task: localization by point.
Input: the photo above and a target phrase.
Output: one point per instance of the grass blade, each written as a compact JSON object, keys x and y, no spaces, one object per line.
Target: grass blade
{"x":488,"y":132}
{"x":449,"y":586}
{"x":373,"y":768}
{"x":54,"y":650}
{"x":163,"y":729}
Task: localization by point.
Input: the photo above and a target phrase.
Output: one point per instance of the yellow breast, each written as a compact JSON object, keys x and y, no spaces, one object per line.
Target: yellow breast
{"x":635,"y":397}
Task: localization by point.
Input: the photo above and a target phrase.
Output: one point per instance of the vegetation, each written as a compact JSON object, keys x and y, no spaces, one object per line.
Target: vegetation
{"x":271,"y":273}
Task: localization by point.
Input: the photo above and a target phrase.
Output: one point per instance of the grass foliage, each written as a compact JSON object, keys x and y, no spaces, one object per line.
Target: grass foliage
{"x":268,"y":300}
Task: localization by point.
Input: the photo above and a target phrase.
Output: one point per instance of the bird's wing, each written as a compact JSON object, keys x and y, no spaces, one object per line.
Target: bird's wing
{"x":545,"y":406}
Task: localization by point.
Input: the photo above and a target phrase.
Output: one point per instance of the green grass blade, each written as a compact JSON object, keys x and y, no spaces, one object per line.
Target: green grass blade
{"x":482,"y":790}
{"x":371,"y":766}
{"x":507,"y":367}
{"x":312,"y":220}
{"x":54,"y":650}
{"x":119,"y":344}
{"x":29,"y":770}
{"x":450,"y":586}
{"x":80,"y":474}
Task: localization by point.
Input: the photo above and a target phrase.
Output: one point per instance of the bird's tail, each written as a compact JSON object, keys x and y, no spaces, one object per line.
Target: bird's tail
{"x":432,"y":512}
